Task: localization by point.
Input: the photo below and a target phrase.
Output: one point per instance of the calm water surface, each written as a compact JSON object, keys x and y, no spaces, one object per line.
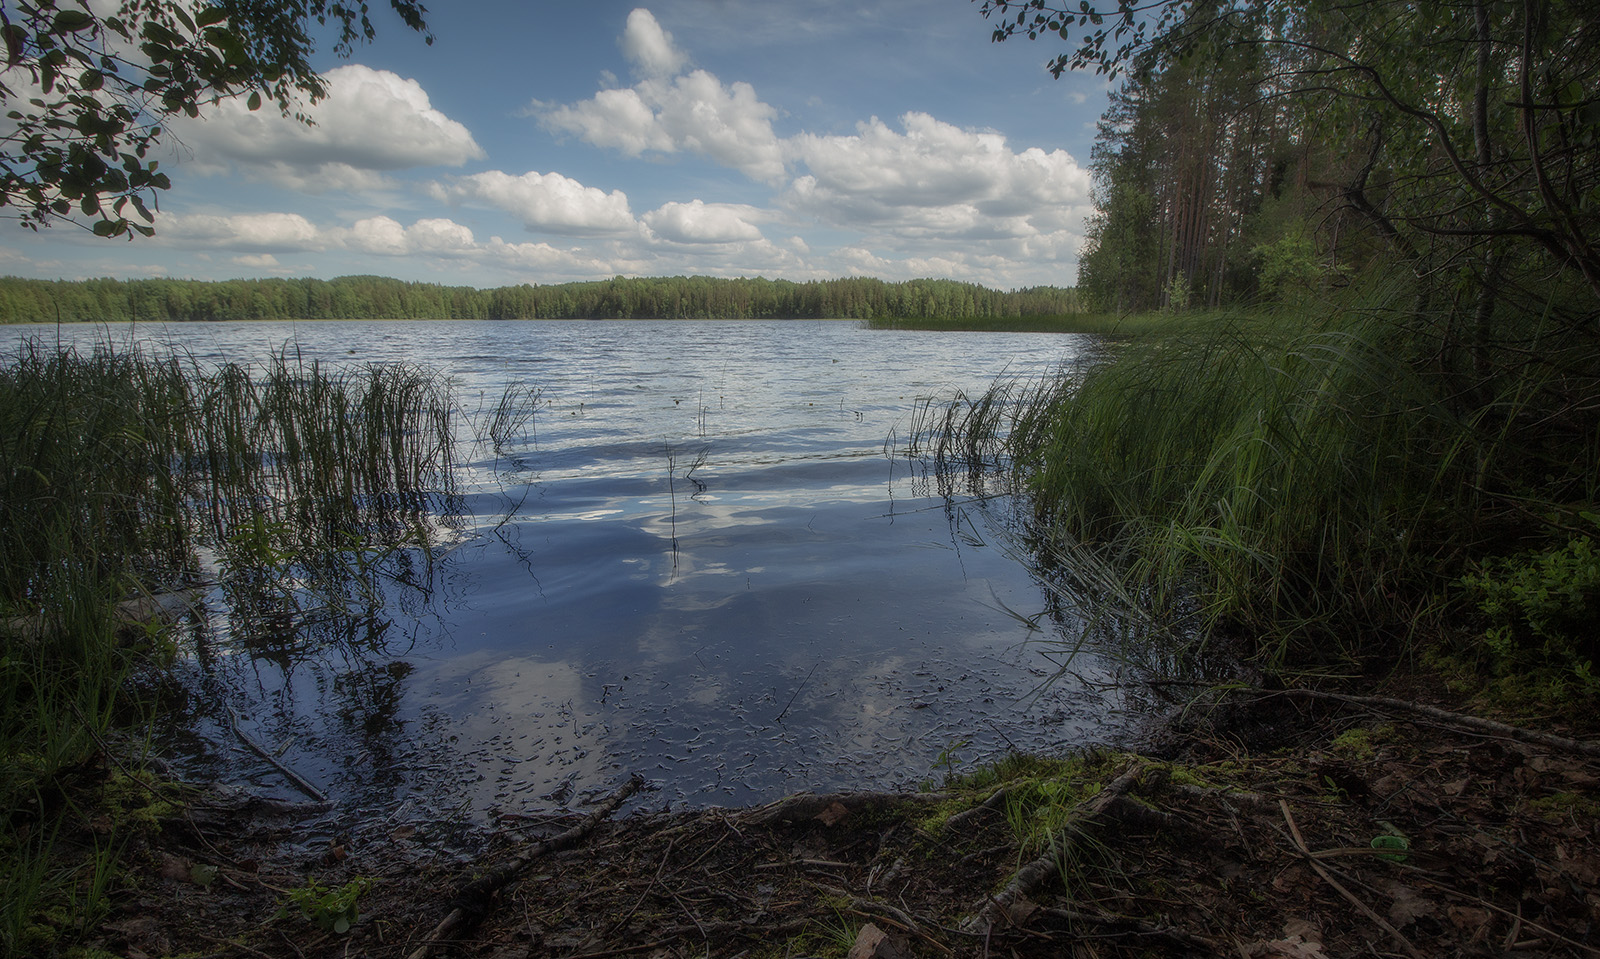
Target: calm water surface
{"x":705,"y":559}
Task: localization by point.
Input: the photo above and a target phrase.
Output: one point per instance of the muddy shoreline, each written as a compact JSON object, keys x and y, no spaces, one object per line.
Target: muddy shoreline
{"x":1247,"y":828}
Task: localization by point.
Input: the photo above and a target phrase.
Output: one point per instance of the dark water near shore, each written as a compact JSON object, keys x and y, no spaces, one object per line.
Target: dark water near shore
{"x":705,"y":559}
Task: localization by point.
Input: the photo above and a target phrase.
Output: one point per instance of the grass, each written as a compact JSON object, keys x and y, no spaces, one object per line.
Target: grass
{"x":1309,"y":478}
{"x":119,"y":471}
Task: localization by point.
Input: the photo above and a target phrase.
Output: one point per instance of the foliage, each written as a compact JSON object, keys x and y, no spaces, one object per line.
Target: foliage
{"x":116,"y":470}
{"x":330,"y":909}
{"x":1541,"y":607}
{"x":88,"y":93}
{"x":1313,"y":483}
{"x":372,"y":297}
{"x":1477,"y":165}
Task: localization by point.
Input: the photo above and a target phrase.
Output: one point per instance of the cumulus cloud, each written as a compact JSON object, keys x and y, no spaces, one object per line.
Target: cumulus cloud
{"x":386,"y":236}
{"x":252,"y":232}
{"x":935,"y":179}
{"x":544,"y":201}
{"x":700,"y":222}
{"x":649,"y":47}
{"x":669,"y":111}
{"x":371,"y":121}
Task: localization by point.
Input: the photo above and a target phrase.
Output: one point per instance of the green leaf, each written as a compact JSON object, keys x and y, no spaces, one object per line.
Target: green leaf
{"x":91,"y":80}
{"x":71,"y":21}
{"x":109,"y":227}
{"x":255,"y":100}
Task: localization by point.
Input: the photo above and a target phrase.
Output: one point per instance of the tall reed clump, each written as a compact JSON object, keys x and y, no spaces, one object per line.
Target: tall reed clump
{"x":1314,"y":482}
{"x":116,"y":468}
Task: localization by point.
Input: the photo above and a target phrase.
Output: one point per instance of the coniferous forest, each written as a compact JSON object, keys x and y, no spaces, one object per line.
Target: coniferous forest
{"x":383,"y":298}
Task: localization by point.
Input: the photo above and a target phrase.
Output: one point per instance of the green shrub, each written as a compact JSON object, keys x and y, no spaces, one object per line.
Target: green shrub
{"x":1541,"y":607}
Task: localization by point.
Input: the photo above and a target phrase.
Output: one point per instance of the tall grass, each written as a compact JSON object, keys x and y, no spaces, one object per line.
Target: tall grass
{"x":1312,"y":480}
{"x":119,"y":471}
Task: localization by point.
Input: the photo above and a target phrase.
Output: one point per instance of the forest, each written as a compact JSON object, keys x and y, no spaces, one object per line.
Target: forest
{"x":382,"y":298}
{"x":1270,"y":152}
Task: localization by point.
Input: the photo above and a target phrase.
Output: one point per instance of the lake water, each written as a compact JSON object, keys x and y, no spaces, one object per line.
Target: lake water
{"x":707,"y":560}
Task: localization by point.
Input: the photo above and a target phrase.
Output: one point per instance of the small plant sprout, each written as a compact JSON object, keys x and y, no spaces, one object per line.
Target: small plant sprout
{"x":331,"y":910}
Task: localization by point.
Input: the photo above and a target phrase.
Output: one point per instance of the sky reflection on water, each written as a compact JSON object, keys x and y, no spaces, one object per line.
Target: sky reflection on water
{"x":798,"y":612}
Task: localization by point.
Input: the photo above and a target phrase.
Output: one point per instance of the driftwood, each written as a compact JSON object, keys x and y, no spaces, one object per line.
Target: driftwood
{"x":1091,"y":812}
{"x":832,"y":807}
{"x":1590,"y":748}
{"x":471,"y":903}
{"x":299,"y":782}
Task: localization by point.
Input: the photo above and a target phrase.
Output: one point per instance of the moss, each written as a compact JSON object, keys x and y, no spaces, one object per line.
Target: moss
{"x":1359,"y":745}
{"x":1564,"y":807}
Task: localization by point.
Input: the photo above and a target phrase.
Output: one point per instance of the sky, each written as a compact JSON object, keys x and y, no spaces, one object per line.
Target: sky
{"x":545,"y":142}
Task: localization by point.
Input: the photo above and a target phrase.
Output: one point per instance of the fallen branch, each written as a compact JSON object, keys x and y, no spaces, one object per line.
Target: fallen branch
{"x":1031,"y":876}
{"x":299,"y":782}
{"x":471,"y":903}
{"x":1384,"y":924}
{"x":1589,"y":748}
{"x":883,"y":912}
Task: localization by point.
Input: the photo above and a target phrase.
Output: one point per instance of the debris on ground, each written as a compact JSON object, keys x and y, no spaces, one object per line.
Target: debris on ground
{"x":1353,"y":827}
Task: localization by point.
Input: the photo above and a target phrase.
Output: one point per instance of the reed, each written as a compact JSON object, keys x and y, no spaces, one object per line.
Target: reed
{"x":1311,"y":479}
{"x":118,"y":471}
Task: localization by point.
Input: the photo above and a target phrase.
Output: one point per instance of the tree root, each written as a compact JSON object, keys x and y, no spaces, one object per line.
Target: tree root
{"x":1590,"y":748}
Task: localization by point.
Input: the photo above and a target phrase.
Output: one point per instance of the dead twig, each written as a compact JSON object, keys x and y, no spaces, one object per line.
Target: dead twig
{"x":1129,"y":926}
{"x":803,"y":806}
{"x":469,"y":904}
{"x":1384,"y":924}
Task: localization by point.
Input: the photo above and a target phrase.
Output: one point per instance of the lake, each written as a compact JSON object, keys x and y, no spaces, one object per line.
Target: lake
{"x":705,"y":558}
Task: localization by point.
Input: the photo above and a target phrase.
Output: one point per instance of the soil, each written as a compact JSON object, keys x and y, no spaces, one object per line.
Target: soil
{"x":1246,"y":831}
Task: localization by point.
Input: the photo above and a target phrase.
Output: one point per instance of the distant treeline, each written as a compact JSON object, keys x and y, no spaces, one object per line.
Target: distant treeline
{"x":383,"y":298}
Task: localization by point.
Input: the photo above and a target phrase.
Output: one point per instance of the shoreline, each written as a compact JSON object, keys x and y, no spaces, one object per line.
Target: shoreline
{"x":1232,"y":835}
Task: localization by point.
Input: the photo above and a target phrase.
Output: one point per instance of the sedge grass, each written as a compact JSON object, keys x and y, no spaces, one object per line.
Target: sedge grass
{"x":118,"y":472}
{"x":1309,"y":478}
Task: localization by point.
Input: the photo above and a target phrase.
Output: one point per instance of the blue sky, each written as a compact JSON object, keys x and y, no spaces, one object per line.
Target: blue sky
{"x":543,"y":142}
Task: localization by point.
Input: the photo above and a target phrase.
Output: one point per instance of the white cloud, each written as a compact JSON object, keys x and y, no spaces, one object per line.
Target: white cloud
{"x":372,"y":120}
{"x":935,"y":179}
{"x":545,"y":201}
{"x":258,"y":261}
{"x":666,"y":112}
{"x":383,"y":235}
{"x":650,"y":47}
{"x":253,"y":232}
{"x":700,"y":222}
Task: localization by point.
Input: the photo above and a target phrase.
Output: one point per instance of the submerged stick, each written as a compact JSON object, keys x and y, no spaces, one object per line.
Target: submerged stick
{"x":299,"y":782}
{"x":469,"y":904}
{"x":797,"y":692}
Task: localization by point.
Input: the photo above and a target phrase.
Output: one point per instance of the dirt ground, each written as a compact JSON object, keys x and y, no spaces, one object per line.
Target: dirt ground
{"x":1245,"y":831}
